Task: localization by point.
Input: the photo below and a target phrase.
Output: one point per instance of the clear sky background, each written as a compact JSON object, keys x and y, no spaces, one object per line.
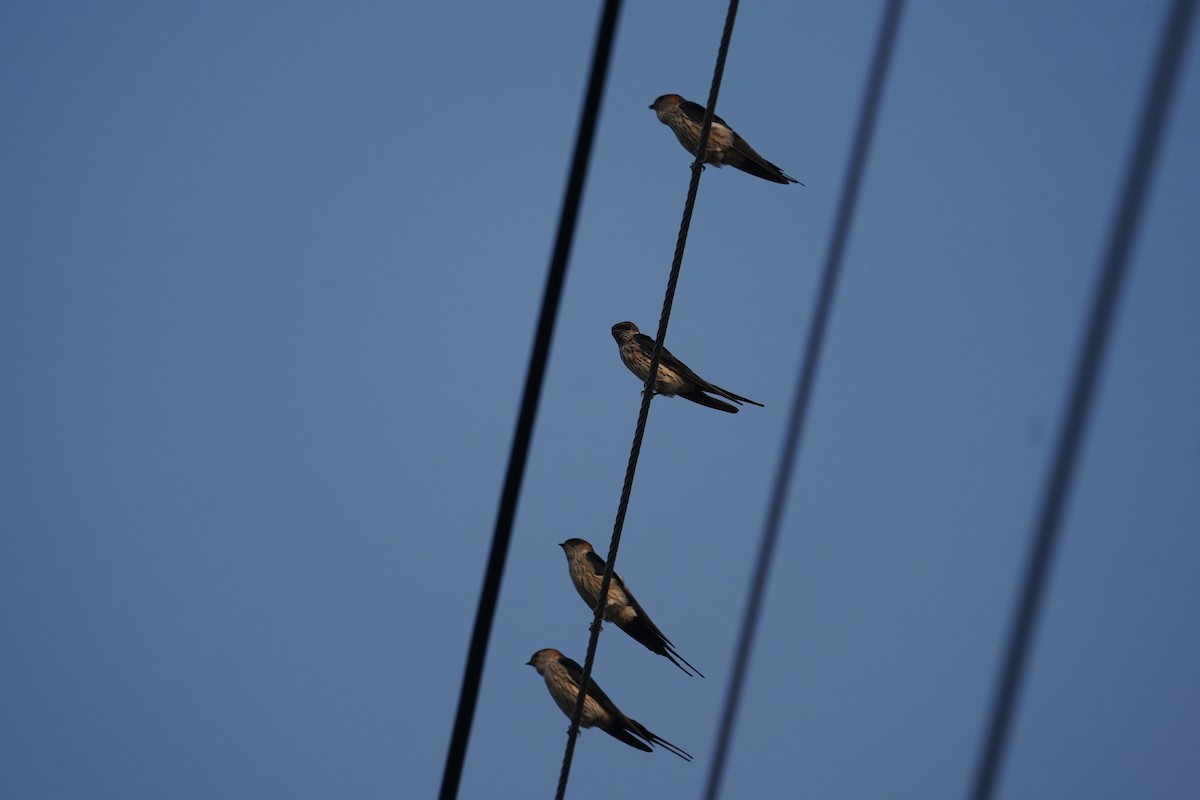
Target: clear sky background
{"x":270,"y":276}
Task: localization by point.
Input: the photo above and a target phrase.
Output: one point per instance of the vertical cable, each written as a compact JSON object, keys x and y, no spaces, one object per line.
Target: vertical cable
{"x":819,"y":323}
{"x":1122,"y":234}
{"x":535,"y":377}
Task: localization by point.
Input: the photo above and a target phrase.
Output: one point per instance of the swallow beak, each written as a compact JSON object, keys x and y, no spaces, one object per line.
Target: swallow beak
{"x":650,"y":106}
{"x":529,"y":663}
{"x":563,"y":545}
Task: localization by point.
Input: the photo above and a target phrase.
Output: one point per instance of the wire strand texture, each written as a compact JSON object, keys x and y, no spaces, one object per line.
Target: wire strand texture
{"x":647,"y":396}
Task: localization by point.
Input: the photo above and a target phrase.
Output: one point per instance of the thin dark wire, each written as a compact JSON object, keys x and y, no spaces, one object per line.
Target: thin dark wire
{"x":647,"y":396}
{"x":556,"y":275}
{"x":819,"y":323}
{"x":1123,"y":232}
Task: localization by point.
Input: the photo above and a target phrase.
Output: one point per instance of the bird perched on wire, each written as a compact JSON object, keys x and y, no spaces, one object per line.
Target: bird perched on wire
{"x":622,"y":609}
{"x":724,"y":145}
{"x":562,"y":679}
{"x":674,"y":378}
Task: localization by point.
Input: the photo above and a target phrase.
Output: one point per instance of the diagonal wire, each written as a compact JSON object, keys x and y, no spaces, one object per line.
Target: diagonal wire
{"x":535,"y":375}
{"x":647,"y":396}
{"x":810,"y":361}
{"x":1122,"y":234}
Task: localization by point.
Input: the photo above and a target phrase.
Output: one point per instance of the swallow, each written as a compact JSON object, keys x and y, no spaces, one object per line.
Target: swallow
{"x":674,"y":378}
{"x":724,"y":145}
{"x":562,"y":679}
{"x":622,"y":609}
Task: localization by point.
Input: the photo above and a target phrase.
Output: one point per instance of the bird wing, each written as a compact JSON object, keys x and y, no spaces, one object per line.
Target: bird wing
{"x":641,"y":613}
{"x":572,"y":667}
{"x":643,"y":631}
{"x":594,"y":691}
{"x":620,"y":721}
{"x":756,"y":165}
{"x":669,"y":359}
{"x":644,"y":342}
{"x":695,"y":112}
{"x":620,"y":733}
{"x":597,"y":564}
{"x":698,"y":396}
{"x":685,"y":372}
{"x":737,"y":398}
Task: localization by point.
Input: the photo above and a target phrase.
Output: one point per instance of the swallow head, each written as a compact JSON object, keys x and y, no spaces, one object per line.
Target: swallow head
{"x":663,"y":102}
{"x":542,"y":658}
{"x":575,"y":544}
{"x":624,"y":331}
{"x":575,"y":547}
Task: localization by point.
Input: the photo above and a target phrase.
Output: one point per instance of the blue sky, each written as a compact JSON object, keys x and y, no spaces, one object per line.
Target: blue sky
{"x":270,"y":276}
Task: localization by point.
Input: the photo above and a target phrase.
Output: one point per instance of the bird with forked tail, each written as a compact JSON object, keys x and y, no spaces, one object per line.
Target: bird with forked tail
{"x":622,"y":608}
{"x":674,"y":379}
{"x":685,"y":118}
{"x":562,"y":676}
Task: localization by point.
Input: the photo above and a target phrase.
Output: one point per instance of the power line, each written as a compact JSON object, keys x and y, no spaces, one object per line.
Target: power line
{"x":647,"y":396}
{"x":819,"y":322}
{"x":535,"y":376}
{"x":1123,"y":231}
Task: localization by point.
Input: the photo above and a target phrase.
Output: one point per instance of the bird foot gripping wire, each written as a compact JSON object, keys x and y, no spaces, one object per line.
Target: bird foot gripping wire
{"x":655,"y":392}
